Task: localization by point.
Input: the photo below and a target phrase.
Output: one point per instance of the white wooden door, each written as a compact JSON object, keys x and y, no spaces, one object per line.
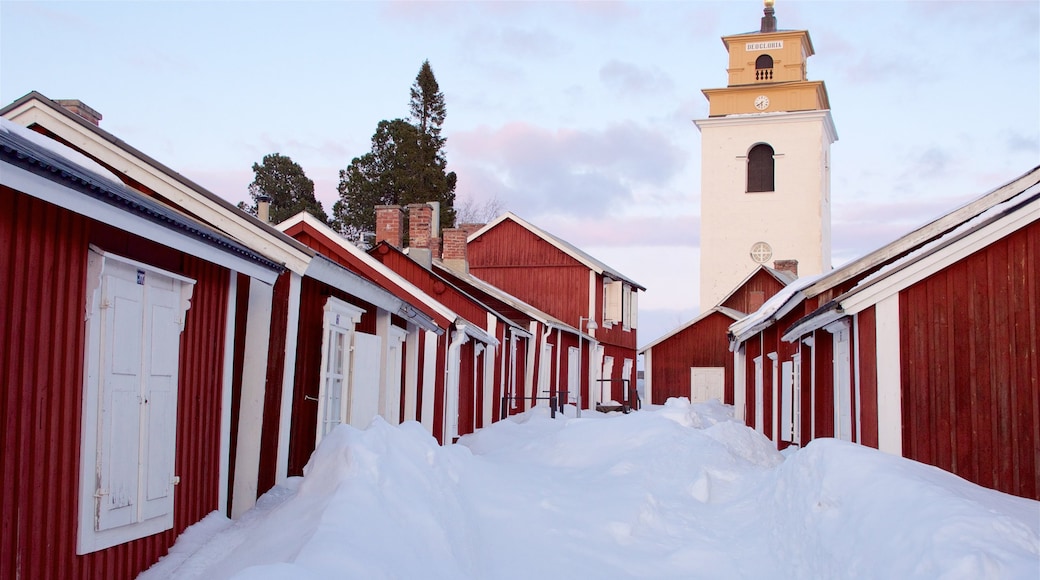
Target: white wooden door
{"x":394,"y":376}
{"x":606,"y":394}
{"x":707,"y":383}
{"x":364,"y":383}
{"x":842,"y":386}
{"x":759,"y":396}
{"x":573,"y":374}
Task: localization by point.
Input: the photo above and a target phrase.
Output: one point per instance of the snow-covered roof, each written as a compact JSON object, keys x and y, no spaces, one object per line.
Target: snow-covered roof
{"x":29,"y":153}
{"x":984,"y":228}
{"x":220,"y":214}
{"x":926,"y":233}
{"x":564,"y":246}
{"x":776,"y":307}
{"x":362,"y":256}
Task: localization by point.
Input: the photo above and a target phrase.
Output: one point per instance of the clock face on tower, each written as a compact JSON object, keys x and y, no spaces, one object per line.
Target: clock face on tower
{"x":761,"y":102}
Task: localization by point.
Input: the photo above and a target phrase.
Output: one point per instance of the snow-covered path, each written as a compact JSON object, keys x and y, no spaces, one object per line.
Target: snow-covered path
{"x":677,"y":492}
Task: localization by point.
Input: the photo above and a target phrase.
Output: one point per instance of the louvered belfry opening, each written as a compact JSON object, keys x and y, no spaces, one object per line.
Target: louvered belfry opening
{"x":760,"y":169}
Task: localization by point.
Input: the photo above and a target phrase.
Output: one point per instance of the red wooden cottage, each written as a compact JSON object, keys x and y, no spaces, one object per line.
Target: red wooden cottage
{"x":476,"y":370}
{"x":427,"y":392}
{"x":926,"y":348}
{"x":532,"y":378}
{"x":694,"y":361}
{"x":569,"y":284}
{"x":262,"y":315}
{"x":116,"y":322}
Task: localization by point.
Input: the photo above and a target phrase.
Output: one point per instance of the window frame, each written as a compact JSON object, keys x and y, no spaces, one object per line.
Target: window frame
{"x":761,"y":169}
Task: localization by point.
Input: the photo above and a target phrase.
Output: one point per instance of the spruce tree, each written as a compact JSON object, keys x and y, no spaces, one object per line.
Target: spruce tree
{"x":290,"y":190}
{"x":405,"y":165}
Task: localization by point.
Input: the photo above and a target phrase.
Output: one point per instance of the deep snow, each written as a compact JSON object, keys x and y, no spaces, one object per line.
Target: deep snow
{"x":679,"y":491}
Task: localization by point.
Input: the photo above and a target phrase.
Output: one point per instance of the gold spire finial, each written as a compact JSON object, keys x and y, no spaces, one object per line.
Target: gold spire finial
{"x":769,"y":3}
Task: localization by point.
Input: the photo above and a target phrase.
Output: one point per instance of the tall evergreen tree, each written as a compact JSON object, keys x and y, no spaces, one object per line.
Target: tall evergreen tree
{"x":291,"y":191}
{"x":427,"y":104}
{"x":406,"y":165}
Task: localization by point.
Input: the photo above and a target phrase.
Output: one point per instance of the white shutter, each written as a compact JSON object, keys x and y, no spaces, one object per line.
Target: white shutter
{"x":364,"y":384}
{"x":120,"y":389}
{"x":842,"y":386}
{"x":626,"y":307}
{"x":612,"y":301}
{"x":786,"y":401}
{"x":573,"y":374}
{"x":394,"y":385}
{"x":544,"y":369}
{"x":759,"y":396}
{"x":160,"y":400}
{"x":606,"y":394}
{"x":635,"y":309}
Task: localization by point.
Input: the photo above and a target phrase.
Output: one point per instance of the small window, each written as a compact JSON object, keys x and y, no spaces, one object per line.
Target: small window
{"x":764,"y":68}
{"x":612,"y":302}
{"x":760,"y":169}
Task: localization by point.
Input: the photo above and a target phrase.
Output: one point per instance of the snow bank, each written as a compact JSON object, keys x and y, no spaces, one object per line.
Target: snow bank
{"x":678,"y":491}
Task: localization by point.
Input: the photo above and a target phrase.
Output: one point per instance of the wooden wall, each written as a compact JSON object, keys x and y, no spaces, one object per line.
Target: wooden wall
{"x":42,"y":305}
{"x":969,"y":342}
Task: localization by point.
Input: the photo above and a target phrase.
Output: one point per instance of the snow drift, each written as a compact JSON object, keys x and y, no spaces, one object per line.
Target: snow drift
{"x":679,"y":491}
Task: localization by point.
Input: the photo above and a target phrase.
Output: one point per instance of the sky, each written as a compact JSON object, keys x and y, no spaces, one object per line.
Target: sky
{"x":576,"y":116}
{"x":677,"y":491}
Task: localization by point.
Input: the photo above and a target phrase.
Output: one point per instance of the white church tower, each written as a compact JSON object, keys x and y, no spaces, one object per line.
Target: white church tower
{"x":765,"y":170}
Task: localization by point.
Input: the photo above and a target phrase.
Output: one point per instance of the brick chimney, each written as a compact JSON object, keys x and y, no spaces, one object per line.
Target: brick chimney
{"x":787,"y":266}
{"x":454,"y":254}
{"x":388,"y":224}
{"x":80,"y":108}
{"x":420,"y":218}
{"x":420,"y":240}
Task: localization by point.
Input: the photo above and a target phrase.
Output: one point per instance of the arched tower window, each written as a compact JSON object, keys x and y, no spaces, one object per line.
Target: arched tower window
{"x":760,"y":168}
{"x":764,"y":68}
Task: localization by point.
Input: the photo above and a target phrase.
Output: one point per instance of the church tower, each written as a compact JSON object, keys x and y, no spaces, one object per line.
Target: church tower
{"x":765,"y":162}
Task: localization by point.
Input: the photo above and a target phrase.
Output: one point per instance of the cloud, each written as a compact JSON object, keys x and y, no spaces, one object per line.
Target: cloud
{"x":624,"y":231}
{"x":538,"y":171}
{"x":629,"y":79}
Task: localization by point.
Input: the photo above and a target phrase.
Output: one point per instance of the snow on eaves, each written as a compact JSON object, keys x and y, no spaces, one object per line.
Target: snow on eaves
{"x":778,"y":305}
{"x":71,"y":156}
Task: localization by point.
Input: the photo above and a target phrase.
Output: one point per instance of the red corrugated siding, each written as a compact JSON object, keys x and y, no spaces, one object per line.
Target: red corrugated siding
{"x":273,"y":392}
{"x":866,"y":362}
{"x":438,"y":387}
{"x":823,"y":347}
{"x":467,"y":389}
{"x":42,"y":277}
{"x":308,"y":374}
{"x":968,"y":338}
{"x":199,"y":398}
{"x":41,"y":349}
